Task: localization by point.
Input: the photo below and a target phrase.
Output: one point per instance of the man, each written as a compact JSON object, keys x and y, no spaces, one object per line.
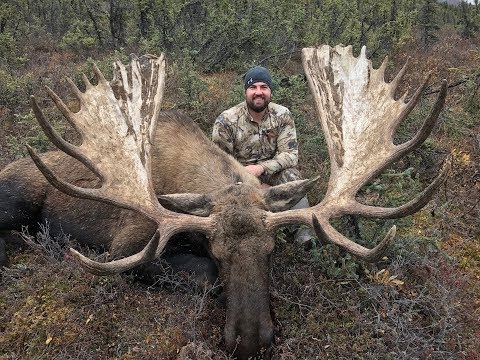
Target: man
{"x":261,"y":135}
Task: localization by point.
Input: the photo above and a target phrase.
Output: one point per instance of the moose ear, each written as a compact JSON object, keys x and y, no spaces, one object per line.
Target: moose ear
{"x":194,"y":204}
{"x":285,"y":196}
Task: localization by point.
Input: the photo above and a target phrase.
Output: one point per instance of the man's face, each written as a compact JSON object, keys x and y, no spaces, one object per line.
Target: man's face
{"x":258,"y":96}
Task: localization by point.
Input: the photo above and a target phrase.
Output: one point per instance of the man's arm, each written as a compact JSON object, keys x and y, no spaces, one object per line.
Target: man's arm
{"x":287,"y":147}
{"x":222,"y":134}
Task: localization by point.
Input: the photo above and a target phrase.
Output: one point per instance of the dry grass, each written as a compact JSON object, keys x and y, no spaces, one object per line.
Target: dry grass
{"x":52,"y":309}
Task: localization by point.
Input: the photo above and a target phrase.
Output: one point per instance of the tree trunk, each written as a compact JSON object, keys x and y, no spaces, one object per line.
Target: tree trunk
{"x":95,"y":24}
{"x":117,"y":23}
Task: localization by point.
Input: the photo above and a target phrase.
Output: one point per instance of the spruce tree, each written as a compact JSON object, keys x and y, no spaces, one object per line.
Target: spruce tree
{"x":428,"y":22}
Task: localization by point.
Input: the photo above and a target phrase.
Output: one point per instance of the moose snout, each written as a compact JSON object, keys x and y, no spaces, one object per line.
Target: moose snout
{"x":247,"y":340}
{"x":248,"y":324}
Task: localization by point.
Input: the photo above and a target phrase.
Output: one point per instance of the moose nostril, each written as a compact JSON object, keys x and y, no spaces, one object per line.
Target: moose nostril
{"x":266,"y":336}
{"x":248,"y":345}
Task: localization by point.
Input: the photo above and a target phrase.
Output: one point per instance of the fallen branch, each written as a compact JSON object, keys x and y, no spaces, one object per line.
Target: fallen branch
{"x":454,"y":84}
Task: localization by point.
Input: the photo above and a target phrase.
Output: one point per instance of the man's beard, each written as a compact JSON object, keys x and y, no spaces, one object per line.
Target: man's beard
{"x":258,"y":108}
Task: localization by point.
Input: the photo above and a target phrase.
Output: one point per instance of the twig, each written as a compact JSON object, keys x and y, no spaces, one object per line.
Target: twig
{"x":28,"y":239}
{"x":280,"y":54}
{"x":456,"y":83}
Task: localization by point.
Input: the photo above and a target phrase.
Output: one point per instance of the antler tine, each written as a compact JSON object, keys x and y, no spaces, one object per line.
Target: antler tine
{"x":327,"y":232}
{"x":86,"y":82}
{"x":98,"y":74}
{"x":75,"y":89}
{"x":56,"y":139}
{"x":62,"y":107}
{"x":410,"y":105}
{"x":398,"y":79}
{"x":64,"y":186}
{"x":379,"y":74}
{"x":157,"y":97}
{"x":428,"y":124}
{"x":117,"y":266}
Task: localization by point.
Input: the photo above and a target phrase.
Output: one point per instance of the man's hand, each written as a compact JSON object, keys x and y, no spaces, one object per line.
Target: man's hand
{"x":256,"y":170}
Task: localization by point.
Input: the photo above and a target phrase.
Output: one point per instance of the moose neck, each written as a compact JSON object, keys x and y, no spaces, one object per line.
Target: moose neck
{"x":189,"y":161}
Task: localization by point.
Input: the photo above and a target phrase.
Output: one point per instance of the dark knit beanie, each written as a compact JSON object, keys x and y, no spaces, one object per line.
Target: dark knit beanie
{"x":257,"y":74}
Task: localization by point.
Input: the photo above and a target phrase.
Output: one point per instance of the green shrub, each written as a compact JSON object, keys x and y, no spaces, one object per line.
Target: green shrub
{"x":336,"y":263}
{"x":78,"y":37}
{"x":8,"y":47}
{"x":14,"y":89}
{"x":150,"y":45}
{"x":185,"y":88}
{"x":31,"y":134}
{"x":190,"y":84}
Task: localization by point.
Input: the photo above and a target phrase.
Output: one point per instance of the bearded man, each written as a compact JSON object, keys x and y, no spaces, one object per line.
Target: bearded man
{"x":261,"y":135}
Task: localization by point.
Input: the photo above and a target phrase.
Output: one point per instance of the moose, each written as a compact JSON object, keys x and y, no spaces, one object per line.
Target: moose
{"x":142,"y":175}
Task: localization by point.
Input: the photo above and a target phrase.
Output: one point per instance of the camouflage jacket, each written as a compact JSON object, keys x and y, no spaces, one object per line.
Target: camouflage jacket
{"x":271,"y":144}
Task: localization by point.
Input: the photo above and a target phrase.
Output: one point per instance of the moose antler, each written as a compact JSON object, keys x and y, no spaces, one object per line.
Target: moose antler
{"x":359,"y":117}
{"x":116,"y":123}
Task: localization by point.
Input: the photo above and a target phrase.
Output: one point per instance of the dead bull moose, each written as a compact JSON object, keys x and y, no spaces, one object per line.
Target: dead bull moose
{"x":131,"y":151}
